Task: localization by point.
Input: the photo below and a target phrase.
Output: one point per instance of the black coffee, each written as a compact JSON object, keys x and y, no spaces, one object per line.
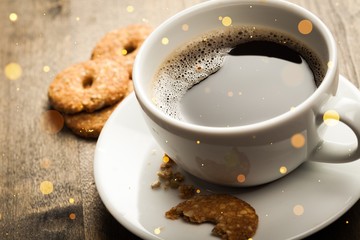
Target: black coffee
{"x":236,"y":77}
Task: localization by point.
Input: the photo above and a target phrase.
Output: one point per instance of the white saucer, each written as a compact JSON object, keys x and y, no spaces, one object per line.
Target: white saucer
{"x":305,"y":201}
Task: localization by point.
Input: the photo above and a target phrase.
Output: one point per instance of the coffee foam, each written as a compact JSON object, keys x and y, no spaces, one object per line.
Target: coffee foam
{"x":195,"y":61}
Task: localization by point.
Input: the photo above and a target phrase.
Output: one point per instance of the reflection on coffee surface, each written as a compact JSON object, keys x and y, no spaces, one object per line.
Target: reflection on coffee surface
{"x":236,"y":76}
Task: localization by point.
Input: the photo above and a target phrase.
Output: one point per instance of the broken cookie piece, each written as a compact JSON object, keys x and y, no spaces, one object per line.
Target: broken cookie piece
{"x":234,"y":218}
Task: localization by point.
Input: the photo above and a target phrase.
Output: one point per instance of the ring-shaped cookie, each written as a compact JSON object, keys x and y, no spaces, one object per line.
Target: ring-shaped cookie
{"x":88,"y":125}
{"x":88,"y":86}
{"x":122,"y":45}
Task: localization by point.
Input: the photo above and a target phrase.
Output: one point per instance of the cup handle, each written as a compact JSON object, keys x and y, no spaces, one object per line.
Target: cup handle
{"x":347,"y":111}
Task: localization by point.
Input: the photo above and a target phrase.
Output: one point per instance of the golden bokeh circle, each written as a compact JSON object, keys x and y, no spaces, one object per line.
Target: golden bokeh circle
{"x":164,"y":41}
{"x":157,"y":231}
{"x":298,"y":210}
{"x":13,"y":17}
{"x":124,"y":52}
{"x":185,"y":27}
{"x":45,"y":163}
{"x":13,"y":71}
{"x":331,"y":118}
{"x":330,"y":64}
{"x":305,"y":26}
{"x":130,"y":9}
{"x":166,"y":159}
{"x":226,"y":21}
{"x":283,"y":170}
{"x":298,"y":140}
{"x":230,"y":93}
{"x":46,"y":187}
{"x":46,"y":69}
{"x":241,"y":178}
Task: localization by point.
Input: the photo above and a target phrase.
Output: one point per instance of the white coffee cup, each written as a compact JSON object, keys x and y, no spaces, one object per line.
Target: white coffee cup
{"x":264,"y":151}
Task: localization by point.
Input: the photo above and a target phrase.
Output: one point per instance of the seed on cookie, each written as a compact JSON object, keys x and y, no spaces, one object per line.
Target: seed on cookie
{"x":122,"y":45}
{"x":234,"y":218}
{"x":88,"y":86}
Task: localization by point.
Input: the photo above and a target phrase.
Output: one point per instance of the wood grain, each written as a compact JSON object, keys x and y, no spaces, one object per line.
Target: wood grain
{"x":56,"y":34}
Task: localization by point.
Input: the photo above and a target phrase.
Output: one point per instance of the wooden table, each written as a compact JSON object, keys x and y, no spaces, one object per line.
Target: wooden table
{"x":47,"y":188}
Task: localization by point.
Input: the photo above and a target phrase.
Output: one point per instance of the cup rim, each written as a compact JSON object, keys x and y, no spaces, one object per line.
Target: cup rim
{"x":154,"y":113}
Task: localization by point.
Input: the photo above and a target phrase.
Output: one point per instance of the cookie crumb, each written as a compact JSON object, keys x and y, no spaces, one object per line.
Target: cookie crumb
{"x":156,"y":184}
{"x":168,"y":177}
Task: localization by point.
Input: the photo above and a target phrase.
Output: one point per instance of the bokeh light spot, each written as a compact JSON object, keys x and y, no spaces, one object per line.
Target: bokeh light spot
{"x":305,"y":26}
{"x":226,"y":21}
{"x":185,"y":27}
{"x":45,"y":163}
{"x":46,"y":69}
{"x":298,"y":210}
{"x":198,"y":142}
{"x":52,"y":121}
{"x":166,"y":158}
{"x":330,"y":64}
{"x":230,"y":93}
{"x":157,"y":231}
{"x":283,"y":170}
{"x":46,"y":187}
{"x":13,"y":17}
{"x":298,"y":140}
{"x":241,"y":178}
{"x":72,"y":216}
{"x":124,"y":52}
{"x":165,"y":41}
{"x":154,"y":102}
{"x":71,"y":200}
{"x":331,"y":118}
{"x":13,"y":71}
{"x":130,"y":9}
